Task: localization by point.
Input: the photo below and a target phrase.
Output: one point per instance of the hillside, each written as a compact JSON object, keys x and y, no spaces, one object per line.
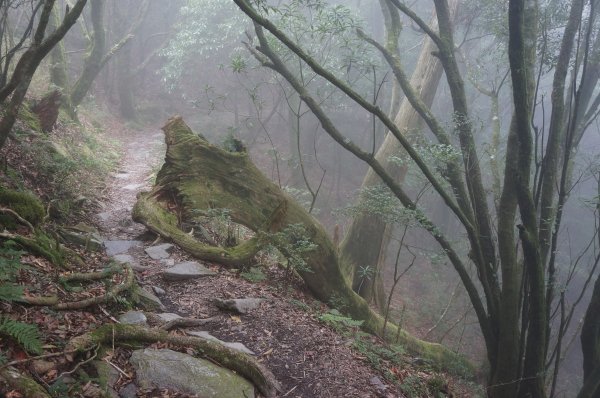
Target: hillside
{"x":311,"y":350}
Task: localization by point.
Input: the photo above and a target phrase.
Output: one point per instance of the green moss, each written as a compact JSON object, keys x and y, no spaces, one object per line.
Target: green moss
{"x":25,"y":204}
{"x":30,"y":118}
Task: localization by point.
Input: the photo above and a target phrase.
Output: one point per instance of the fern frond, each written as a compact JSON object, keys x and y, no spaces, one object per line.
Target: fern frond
{"x":26,"y":334}
{"x":10,"y":292}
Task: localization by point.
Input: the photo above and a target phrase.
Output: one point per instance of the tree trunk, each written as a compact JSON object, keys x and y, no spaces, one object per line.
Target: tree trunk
{"x":93,"y":61}
{"x":201,"y":176}
{"x":590,"y":345}
{"x":125,"y":89}
{"x":371,"y":230}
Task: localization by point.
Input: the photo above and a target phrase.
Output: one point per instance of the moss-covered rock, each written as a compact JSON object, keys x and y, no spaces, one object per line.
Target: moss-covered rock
{"x":25,"y":204}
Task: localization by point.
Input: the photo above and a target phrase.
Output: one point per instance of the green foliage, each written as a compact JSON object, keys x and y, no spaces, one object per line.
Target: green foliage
{"x":294,"y":243}
{"x":254,"y":275}
{"x":379,"y":356}
{"x":205,"y":29}
{"x":300,"y":304}
{"x":26,"y":204}
{"x":338,"y":301}
{"x":339,"y":322}
{"x":10,"y":265}
{"x":233,"y":144}
{"x":26,"y":334}
{"x":10,"y":292}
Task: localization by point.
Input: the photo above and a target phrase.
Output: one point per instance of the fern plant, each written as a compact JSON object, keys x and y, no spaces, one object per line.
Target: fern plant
{"x":26,"y":334}
{"x":10,"y":265}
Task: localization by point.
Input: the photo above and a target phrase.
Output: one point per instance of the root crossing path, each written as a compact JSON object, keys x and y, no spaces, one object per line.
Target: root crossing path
{"x":282,"y":331}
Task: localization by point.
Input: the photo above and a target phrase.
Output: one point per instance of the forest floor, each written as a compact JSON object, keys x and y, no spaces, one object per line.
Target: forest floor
{"x":312,"y":351}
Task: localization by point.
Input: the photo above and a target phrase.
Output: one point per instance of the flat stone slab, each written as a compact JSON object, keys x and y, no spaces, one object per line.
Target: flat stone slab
{"x":187,"y":270}
{"x":159,"y":252}
{"x":114,"y":247}
{"x":133,"y":318}
{"x":234,"y":346}
{"x":174,"y":370}
{"x":242,"y":306}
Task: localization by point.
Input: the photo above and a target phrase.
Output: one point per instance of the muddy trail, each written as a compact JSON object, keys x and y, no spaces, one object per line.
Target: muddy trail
{"x":308,"y":358}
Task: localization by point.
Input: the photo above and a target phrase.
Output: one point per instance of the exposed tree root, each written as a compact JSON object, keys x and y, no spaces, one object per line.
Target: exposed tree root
{"x":91,"y":276}
{"x":22,"y":383}
{"x":54,"y":256}
{"x":52,"y":301}
{"x":177,"y":323}
{"x":201,"y":176}
{"x":241,"y":363}
{"x":16,"y":215}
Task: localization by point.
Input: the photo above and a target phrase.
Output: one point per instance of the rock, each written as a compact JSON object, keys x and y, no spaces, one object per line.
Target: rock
{"x":241,"y":306}
{"x":108,"y":377}
{"x":129,"y":391}
{"x":148,"y":300}
{"x":234,"y":346}
{"x":168,"y":316}
{"x":42,"y":367}
{"x":170,"y":369}
{"x":114,"y":247}
{"x":159,"y":252}
{"x":133,"y":318}
{"x":378,"y":384}
{"x":158,"y":291}
{"x":187,"y":270}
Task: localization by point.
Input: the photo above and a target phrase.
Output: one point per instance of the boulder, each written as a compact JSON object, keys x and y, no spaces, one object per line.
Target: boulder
{"x":174,"y":370}
{"x":133,"y":318}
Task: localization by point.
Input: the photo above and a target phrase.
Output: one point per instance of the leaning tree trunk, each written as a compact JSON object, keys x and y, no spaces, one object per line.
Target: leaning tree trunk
{"x":370,"y":230}
{"x":198,"y":176}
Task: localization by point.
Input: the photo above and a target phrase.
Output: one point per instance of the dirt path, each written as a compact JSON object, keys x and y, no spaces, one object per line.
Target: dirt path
{"x":307,"y":357}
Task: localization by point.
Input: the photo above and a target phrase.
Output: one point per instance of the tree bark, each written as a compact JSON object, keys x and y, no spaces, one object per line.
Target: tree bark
{"x":590,"y":345}
{"x":370,"y":230}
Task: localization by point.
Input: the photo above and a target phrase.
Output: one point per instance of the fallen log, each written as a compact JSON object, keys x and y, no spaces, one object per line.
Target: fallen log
{"x":198,"y":176}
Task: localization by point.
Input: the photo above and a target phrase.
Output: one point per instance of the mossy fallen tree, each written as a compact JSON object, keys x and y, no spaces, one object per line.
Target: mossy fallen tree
{"x":237,"y":361}
{"x":198,"y":176}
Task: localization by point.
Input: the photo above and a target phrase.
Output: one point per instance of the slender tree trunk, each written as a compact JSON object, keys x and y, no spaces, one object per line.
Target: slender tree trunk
{"x":367,"y":229}
{"x":125,"y":86}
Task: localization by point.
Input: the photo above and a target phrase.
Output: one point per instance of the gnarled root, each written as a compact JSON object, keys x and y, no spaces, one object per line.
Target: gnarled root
{"x":115,"y":291}
{"x":241,"y":363}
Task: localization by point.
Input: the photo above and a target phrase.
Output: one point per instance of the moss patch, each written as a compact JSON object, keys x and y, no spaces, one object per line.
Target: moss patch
{"x":25,"y":204}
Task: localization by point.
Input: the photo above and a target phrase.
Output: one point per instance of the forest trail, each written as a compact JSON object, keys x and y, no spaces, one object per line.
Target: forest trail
{"x":307,"y":357}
